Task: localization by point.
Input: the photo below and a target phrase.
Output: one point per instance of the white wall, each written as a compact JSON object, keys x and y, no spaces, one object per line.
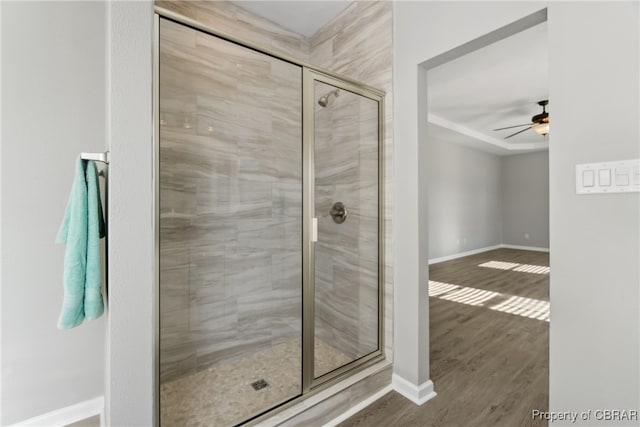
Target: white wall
{"x":464,"y":198}
{"x":525,"y":199}
{"x":478,"y":200}
{"x":594,"y":51}
{"x":594,"y":239}
{"x":53,"y":107}
{"x":130,"y":369}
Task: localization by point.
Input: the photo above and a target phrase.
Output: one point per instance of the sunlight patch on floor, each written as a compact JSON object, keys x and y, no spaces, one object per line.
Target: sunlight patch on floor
{"x":470,"y":296}
{"x":522,"y":268}
{"x":526,"y":307}
{"x":500,"y":265}
{"x":536,"y":269}
{"x":437,"y":288}
{"x":521,"y":306}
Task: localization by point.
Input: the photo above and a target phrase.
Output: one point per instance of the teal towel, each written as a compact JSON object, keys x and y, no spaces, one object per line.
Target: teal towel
{"x":81,"y":230}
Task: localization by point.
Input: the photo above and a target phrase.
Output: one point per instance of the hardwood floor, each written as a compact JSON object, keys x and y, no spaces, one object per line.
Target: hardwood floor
{"x":88,"y":422}
{"x":489,"y":346}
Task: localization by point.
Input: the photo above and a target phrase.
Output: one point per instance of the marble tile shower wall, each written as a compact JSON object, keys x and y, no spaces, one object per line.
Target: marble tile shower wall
{"x":230,"y":19}
{"x":230,"y":197}
{"x":346,"y":157}
{"x":358,"y":44}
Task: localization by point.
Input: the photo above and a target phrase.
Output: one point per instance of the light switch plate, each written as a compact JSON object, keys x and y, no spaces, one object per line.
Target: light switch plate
{"x":622,"y":176}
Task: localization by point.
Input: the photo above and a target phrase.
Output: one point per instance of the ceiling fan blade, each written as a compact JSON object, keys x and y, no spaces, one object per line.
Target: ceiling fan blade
{"x":511,"y":127}
{"x":514,"y":134}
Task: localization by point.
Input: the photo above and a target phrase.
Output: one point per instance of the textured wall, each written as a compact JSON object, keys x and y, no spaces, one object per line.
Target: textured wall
{"x":358,"y":44}
{"x":346,"y":260}
{"x":346,"y":255}
{"x":525,"y":199}
{"x":230,"y":201}
{"x":129,"y":401}
{"x":232,"y":20}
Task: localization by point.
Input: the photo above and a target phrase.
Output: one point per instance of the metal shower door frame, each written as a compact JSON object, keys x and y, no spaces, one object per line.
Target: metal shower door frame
{"x":310,"y":74}
{"x":309,"y":77}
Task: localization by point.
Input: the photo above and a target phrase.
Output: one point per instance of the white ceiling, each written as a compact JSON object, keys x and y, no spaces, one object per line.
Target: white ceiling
{"x":302,"y":17}
{"x":496,"y":86}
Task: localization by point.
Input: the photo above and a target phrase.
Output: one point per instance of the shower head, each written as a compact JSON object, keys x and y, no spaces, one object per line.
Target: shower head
{"x":324,"y":99}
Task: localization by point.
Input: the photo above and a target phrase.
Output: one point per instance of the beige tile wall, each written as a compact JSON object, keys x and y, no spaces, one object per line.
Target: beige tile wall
{"x":230,"y":201}
{"x":346,"y":254}
{"x":230,"y":19}
{"x":357,"y":44}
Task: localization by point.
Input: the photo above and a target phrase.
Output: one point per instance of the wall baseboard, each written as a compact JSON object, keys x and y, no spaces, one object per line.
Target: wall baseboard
{"x":463,"y":254}
{"x":485,"y":249}
{"x":525,"y":248}
{"x":417,"y":394}
{"x":68,"y":415}
{"x":359,"y":407}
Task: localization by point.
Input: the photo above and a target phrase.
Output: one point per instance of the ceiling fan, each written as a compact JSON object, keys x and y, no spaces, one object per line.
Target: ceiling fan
{"x":539,"y":122}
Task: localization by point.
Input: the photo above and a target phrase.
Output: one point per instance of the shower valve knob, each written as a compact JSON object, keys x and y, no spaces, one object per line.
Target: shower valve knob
{"x":338,"y":212}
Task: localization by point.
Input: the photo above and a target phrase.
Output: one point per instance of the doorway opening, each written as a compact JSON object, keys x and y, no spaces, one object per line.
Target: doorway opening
{"x":487,"y":186}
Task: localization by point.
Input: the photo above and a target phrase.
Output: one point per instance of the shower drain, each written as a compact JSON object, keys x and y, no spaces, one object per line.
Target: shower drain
{"x":259,"y":385}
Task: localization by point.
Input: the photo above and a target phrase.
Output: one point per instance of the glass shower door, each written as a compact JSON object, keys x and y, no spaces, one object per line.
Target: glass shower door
{"x":230,"y":220}
{"x":346,"y":198}
{"x":256,"y":306}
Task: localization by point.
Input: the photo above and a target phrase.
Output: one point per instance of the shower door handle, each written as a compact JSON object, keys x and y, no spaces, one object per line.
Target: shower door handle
{"x":314,"y":229}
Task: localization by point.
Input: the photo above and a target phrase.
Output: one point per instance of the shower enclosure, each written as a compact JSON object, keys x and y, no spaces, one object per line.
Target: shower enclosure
{"x":268,"y":227}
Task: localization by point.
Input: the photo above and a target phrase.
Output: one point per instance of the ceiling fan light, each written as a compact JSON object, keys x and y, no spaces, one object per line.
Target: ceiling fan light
{"x":541,"y":128}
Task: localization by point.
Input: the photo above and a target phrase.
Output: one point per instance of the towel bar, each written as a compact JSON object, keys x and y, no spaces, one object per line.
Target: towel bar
{"x":100,"y":157}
